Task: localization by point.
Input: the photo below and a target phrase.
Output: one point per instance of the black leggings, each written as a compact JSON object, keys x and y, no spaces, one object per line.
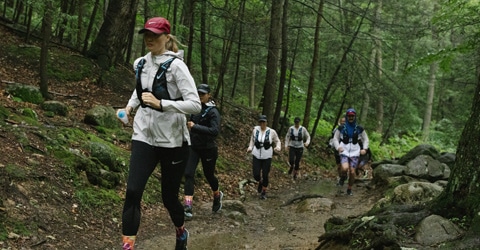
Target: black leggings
{"x":261,"y":169}
{"x":294,"y":156}
{"x":209,"y":158}
{"x":143,"y":160}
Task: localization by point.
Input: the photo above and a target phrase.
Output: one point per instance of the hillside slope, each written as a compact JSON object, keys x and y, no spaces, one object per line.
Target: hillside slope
{"x":39,"y":204}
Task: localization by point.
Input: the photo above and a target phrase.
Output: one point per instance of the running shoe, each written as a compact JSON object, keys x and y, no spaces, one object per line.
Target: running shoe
{"x":263,"y":195}
{"x":217,"y":203}
{"x":341,"y":181}
{"x":260,"y":187}
{"x":181,"y":243}
{"x":188,"y":212}
{"x":349,"y":192}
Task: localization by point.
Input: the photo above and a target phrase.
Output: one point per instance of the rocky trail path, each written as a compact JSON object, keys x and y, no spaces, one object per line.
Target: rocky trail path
{"x":282,"y":221}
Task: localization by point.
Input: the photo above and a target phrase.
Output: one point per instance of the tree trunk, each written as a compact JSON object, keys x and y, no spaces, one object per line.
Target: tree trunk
{"x":283,"y":67}
{"x":190,"y":17}
{"x":203,"y":41}
{"x":46,"y":34}
{"x":427,"y":118}
{"x":292,"y":66}
{"x":314,"y":66}
{"x":275,"y":38}
{"x":462,"y":192}
{"x":252,"y":88}
{"x":90,"y":27}
{"x":241,"y":13}
{"x":112,"y":39}
{"x":378,"y":44}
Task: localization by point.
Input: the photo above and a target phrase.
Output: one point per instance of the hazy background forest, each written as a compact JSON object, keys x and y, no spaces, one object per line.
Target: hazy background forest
{"x":407,"y":67}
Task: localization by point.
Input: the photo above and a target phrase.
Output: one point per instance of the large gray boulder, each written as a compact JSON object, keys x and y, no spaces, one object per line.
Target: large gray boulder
{"x":416,"y":192}
{"x":102,"y":116}
{"x":423,"y":149}
{"x":425,"y":167}
{"x":435,"y":229}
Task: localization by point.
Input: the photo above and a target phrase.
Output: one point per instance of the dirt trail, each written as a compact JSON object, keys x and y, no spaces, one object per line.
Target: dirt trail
{"x":268,"y":224}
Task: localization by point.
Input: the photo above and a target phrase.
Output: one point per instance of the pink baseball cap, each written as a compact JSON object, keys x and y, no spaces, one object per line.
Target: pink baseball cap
{"x":157,"y":25}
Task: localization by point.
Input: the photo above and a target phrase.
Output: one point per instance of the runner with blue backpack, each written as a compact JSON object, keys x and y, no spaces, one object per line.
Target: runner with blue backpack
{"x":346,"y":142}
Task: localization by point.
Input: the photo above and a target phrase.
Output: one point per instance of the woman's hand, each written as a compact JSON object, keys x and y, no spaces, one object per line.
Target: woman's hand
{"x":128,"y":110}
{"x":150,"y":100}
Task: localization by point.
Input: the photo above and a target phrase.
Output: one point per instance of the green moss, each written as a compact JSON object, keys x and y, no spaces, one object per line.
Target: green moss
{"x":25,"y":93}
{"x":61,"y":66}
{"x":30,"y":113}
{"x":16,"y":172}
{"x":4,"y":112}
{"x":475,"y":223}
{"x":91,"y":197}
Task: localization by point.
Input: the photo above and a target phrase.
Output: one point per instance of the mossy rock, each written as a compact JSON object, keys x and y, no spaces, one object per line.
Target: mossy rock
{"x":55,"y":107}
{"x":26,"y":93}
{"x":102,"y":116}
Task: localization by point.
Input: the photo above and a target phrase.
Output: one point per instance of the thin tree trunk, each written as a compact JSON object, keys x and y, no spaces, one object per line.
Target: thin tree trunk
{"x":203,"y":41}
{"x":313,"y":68}
{"x":333,"y":79}
{"x":252,"y":88}
{"x":226,"y":52}
{"x":379,"y":61}
{"x":29,"y":23}
{"x":190,"y":16}
{"x":274,"y":41}
{"x":239,"y":46}
{"x":283,"y":67}
{"x":90,"y":27}
{"x":427,"y":118}
{"x":46,"y":34}
{"x":292,"y":64}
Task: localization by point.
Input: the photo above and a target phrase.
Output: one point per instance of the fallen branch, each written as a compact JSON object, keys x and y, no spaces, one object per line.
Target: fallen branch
{"x":301,"y":198}
{"x":64,"y":95}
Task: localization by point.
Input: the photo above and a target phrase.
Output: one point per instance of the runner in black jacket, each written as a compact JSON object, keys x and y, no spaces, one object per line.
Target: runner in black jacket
{"x":204,"y":129}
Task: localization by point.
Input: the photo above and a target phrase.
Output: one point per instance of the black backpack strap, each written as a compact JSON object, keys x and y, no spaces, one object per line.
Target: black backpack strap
{"x":138,"y":87}
{"x":163,"y":68}
{"x":207,"y":110}
{"x":159,"y":88}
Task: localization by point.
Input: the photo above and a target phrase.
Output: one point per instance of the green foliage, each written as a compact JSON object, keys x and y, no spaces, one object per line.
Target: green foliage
{"x":4,"y":112}
{"x":91,"y":197}
{"x":25,"y":93}
{"x":61,"y":66}
{"x":16,"y":172}
{"x":463,"y":222}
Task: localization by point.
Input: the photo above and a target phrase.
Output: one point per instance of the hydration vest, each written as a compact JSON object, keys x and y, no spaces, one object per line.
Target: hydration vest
{"x":298,"y":137}
{"x":344,"y":134}
{"x":159,"y":88}
{"x":266,"y":143}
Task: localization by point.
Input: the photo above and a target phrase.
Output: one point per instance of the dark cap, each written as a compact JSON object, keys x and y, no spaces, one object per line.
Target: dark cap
{"x":203,"y":88}
{"x":157,"y":25}
{"x":262,"y":118}
{"x":351,"y":111}
{"x":297,"y":119}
